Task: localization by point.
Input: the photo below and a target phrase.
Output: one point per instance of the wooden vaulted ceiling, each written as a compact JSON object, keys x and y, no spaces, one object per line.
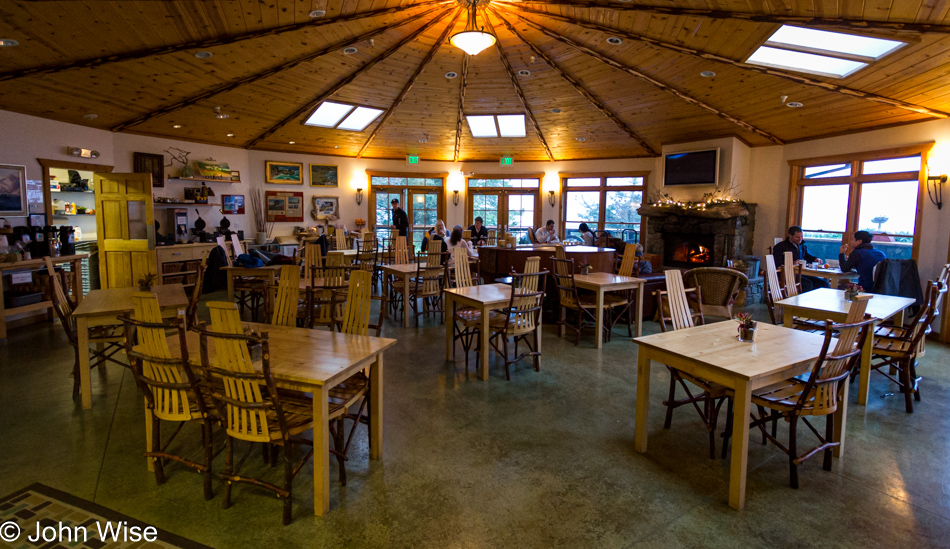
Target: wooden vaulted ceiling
{"x":132,"y":64}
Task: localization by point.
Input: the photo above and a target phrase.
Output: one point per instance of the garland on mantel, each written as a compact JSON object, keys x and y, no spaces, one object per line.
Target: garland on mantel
{"x":719,"y":197}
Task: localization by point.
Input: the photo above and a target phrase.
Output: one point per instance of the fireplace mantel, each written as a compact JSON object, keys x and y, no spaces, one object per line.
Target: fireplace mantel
{"x":731,"y":225}
{"x":724,"y":211}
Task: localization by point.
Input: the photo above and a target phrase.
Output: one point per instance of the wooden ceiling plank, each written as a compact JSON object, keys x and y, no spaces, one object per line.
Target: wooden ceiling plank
{"x":202,"y":44}
{"x":578,"y":86}
{"x":269,"y":72}
{"x":779,"y":19}
{"x":800,"y":79}
{"x":458,"y":121}
{"x":412,"y":79}
{"x":669,"y":89}
{"x":310,"y":105}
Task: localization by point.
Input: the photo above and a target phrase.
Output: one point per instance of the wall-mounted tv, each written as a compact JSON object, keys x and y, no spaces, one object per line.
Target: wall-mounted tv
{"x":691,"y":168}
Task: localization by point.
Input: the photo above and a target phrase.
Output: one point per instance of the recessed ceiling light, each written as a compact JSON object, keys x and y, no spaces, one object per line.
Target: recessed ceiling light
{"x":581,"y":139}
{"x":707,"y":74}
{"x":336,"y":146}
{"x":556,"y":111}
{"x":317,"y":13}
{"x":795,"y":104}
{"x":220,"y":115}
{"x":230,"y":135}
{"x":524,"y":73}
{"x":8,"y":43}
{"x":423,"y":140}
{"x":292,"y":142}
{"x":90,"y":116}
{"x":203,"y":54}
{"x":177,"y":126}
{"x":451,"y":74}
{"x":350,"y":50}
{"x":614,"y":40}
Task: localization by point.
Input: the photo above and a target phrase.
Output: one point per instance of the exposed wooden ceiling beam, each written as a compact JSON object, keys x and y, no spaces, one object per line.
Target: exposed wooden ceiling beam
{"x":521,"y":96}
{"x":310,"y":105}
{"x":458,"y":121}
{"x":669,"y":89}
{"x":836,"y":22}
{"x":204,"y":44}
{"x":412,"y":80}
{"x":797,"y":78}
{"x":578,"y":86}
{"x":264,"y":74}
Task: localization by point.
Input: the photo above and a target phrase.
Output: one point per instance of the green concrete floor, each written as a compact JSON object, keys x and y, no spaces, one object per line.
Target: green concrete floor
{"x":546,"y":459}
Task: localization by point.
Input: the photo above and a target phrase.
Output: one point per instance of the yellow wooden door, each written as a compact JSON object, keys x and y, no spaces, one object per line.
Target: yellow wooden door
{"x":125,"y":228}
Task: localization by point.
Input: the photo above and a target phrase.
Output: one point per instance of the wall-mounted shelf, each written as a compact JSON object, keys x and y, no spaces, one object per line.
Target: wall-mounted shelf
{"x":184,"y":205}
{"x":72,"y":192}
{"x":74,"y":215}
{"x":202,"y":179}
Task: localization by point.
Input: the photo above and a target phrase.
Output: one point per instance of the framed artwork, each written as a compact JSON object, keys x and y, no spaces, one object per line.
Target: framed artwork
{"x":286,"y":173}
{"x":325,"y":206}
{"x":232,"y":204}
{"x":150,"y":163}
{"x":214,"y":170}
{"x":235,"y":176}
{"x":323,"y":176}
{"x":284,"y":206}
{"x":13,"y":201}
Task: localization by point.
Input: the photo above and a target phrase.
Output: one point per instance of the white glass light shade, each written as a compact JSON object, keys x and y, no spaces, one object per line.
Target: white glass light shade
{"x":472,"y":42}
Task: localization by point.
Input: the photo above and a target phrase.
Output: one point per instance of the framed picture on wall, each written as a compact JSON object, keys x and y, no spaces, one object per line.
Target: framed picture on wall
{"x":150,"y":163}
{"x":13,"y":201}
{"x":285,"y":173}
{"x":325,"y":206}
{"x":323,"y":176}
{"x":284,"y":206}
{"x":232,"y":204}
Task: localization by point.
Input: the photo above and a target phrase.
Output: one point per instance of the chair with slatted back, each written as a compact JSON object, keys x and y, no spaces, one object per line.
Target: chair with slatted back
{"x":682,"y":315}
{"x":282,"y":307}
{"x":427,"y":285}
{"x":466,"y":234}
{"x":519,"y":322}
{"x":191,"y":313}
{"x":339,"y":240}
{"x":400,"y":256}
{"x":173,"y":392}
{"x":773,"y":290}
{"x":400,"y":251}
{"x":816,"y":393}
{"x":237,"y":245}
{"x":944,"y":284}
{"x":368,"y":254}
{"x":492,"y":238}
{"x":250,"y":291}
{"x":584,"y":307}
{"x":559,"y":251}
{"x":793,"y":286}
{"x":109,"y":338}
{"x":467,"y":320}
{"x":325,"y":301}
{"x":629,"y":264}
{"x":312,"y":259}
{"x":621,"y":302}
{"x":897,"y":347}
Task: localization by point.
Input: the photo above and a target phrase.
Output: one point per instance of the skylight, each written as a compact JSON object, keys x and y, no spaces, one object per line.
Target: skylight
{"x":508,"y":125}
{"x":825,"y":53}
{"x":511,"y":125}
{"x":330,"y":114}
{"x":482,"y":126}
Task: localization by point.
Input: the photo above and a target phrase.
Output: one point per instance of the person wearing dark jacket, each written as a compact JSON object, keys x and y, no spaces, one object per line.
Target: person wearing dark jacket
{"x":861,"y":259}
{"x":400,"y":219}
{"x":795,"y":243}
{"x":479,"y":232}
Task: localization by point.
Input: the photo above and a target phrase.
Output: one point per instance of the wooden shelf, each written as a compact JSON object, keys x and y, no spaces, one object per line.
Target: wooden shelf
{"x":73,"y":215}
{"x":183,"y":204}
{"x":72,"y":192}
{"x":179,"y":273}
{"x":200,"y":179}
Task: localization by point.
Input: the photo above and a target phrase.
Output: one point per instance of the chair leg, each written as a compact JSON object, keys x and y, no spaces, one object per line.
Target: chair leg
{"x":906,"y":386}
{"x":228,"y":470}
{"x":727,"y":434}
{"x":157,"y":447}
{"x":507,"y":363}
{"x":206,"y":440}
{"x":76,"y":375}
{"x":709,"y":408}
{"x":829,"y":436}
{"x":338,"y":443}
{"x":793,"y":451}
{"x":288,"y":481}
{"x":670,"y":401}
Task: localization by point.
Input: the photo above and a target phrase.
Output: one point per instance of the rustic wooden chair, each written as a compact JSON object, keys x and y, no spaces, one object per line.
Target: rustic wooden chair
{"x":682,"y":315}
{"x":400,"y":256}
{"x":325,"y":303}
{"x":819,"y":393}
{"x":283,"y":302}
{"x":427,"y":286}
{"x":339,"y":240}
{"x":466,"y":234}
{"x":793,"y":286}
{"x":773,"y":291}
{"x":944,"y":284}
{"x":897,"y":347}
{"x":720,"y":288}
{"x":584,"y":307}
{"x":368,"y":255}
{"x":492,"y":238}
{"x":109,"y":338}
{"x":629,"y":263}
{"x":173,"y":392}
{"x":250,"y":291}
{"x":519,"y":321}
{"x":621,"y":303}
{"x":191,"y":313}
{"x":467,"y":320}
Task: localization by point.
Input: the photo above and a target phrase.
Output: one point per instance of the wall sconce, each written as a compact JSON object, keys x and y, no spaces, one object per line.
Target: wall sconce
{"x":455,"y":197}
{"x":359,"y":196}
{"x":936,"y":196}
{"x":82,"y":153}
{"x":551,"y":198}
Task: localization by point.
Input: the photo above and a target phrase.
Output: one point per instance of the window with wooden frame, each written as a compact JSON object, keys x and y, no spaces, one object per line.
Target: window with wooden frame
{"x":880,"y":192}
{"x":605,"y":201}
{"x":505,"y":204}
{"x":421,"y":195}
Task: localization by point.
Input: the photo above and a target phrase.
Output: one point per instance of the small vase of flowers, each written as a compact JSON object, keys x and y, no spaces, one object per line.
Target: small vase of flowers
{"x":145,"y":283}
{"x":585,"y":268}
{"x":851,"y":291}
{"x":746,"y":327}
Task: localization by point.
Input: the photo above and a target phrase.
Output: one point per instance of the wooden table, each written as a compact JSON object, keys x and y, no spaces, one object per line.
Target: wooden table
{"x":314,"y":361}
{"x":101,"y":307}
{"x":34,"y":266}
{"x":496,"y":261}
{"x":833,"y":276}
{"x":485,"y":298}
{"x":267,"y":273}
{"x":826,"y":303}
{"x":606,"y":282}
{"x":403,"y":272}
{"x":714,"y":353}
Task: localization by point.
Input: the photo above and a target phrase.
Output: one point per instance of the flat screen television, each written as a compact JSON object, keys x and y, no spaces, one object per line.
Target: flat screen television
{"x":691,"y":168}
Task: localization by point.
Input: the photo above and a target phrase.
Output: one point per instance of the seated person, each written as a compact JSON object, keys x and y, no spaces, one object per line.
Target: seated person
{"x":862,"y":258}
{"x":795,"y":243}
{"x":586,"y":235}
{"x":479,"y":232}
{"x":547,"y":234}
{"x":435,"y":233}
{"x":456,"y":241}
{"x":643,"y":266}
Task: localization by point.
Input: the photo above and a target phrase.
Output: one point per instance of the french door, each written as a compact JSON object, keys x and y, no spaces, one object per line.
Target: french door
{"x":505,"y":209}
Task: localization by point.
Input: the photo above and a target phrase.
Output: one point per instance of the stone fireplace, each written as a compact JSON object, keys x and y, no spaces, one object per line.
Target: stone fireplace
{"x":689,"y":238}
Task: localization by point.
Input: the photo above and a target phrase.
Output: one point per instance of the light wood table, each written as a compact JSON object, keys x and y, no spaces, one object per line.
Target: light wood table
{"x":101,"y":307}
{"x":485,"y":298}
{"x":607,"y":282}
{"x":314,"y":361}
{"x":714,"y":353}
{"x":38,"y":266}
{"x":828,"y":304}
{"x":833,"y":276}
{"x":403,"y":272}
{"x":266,"y":273}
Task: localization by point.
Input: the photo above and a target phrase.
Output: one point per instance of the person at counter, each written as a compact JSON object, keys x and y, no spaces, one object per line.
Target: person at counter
{"x":862,"y":258}
{"x":586,"y":235}
{"x":547,"y":234}
{"x":479,"y":232}
{"x":795,"y":242}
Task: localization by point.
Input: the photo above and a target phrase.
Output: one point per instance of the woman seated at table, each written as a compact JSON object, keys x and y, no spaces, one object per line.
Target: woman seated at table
{"x":586,"y":235}
{"x":435,"y":233}
{"x":456,"y":241}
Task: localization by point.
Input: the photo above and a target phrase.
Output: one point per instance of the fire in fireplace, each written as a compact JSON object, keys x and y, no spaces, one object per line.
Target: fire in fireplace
{"x":692,"y":253}
{"x":689,"y":250}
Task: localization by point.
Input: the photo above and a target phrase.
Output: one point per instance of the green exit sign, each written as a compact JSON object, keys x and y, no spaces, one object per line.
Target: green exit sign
{"x":506,"y":161}
{"x":410,"y":159}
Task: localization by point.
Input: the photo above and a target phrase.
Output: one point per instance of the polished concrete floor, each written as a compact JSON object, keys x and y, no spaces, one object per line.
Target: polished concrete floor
{"x":546,"y":459}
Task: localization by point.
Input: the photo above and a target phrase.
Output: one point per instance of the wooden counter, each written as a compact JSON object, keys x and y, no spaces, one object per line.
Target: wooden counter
{"x":495,"y":261}
{"x":39,"y":265}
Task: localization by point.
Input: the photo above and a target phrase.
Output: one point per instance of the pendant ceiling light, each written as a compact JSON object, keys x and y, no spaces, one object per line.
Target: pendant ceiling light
{"x":473,"y":40}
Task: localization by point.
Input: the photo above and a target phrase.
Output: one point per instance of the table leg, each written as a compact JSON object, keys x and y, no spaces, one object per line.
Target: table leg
{"x":640,"y":310}
{"x":230,"y":287}
{"x":376,"y":409}
{"x":864,"y":380}
{"x":599,"y":340}
{"x":841,"y":420}
{"x":643,"y":399}
{"x":3,"y":314}
{"x":385,"y":295}
{"x":149,"y":462}
{"x":538,"y":333}
{"x":321,"y":452}
{"x":449,"y":326}
{"x":789,"y":319}
{"x":483,"y":339}
{"x":740,"y":445}
{"x":85,"y":387}
{"x":405,"y":301}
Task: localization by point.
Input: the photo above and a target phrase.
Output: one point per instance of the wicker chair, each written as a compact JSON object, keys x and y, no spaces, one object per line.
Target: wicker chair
{"x":720,"y":288}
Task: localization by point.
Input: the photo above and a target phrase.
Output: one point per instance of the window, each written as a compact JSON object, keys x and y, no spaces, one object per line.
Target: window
{"x":824,"y":53}
{"x":341,"y":116}
{"x":420,"y":195}
{"x":874,"y":192}
{"x":506,"y":204}
{"x":604,"y":202}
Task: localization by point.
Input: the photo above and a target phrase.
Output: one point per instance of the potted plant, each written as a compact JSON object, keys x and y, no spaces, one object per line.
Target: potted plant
{"x":851,"y":291}
{"x":585,"y":268}
{"x":145,"y":283}
{"x":746,"y":327}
